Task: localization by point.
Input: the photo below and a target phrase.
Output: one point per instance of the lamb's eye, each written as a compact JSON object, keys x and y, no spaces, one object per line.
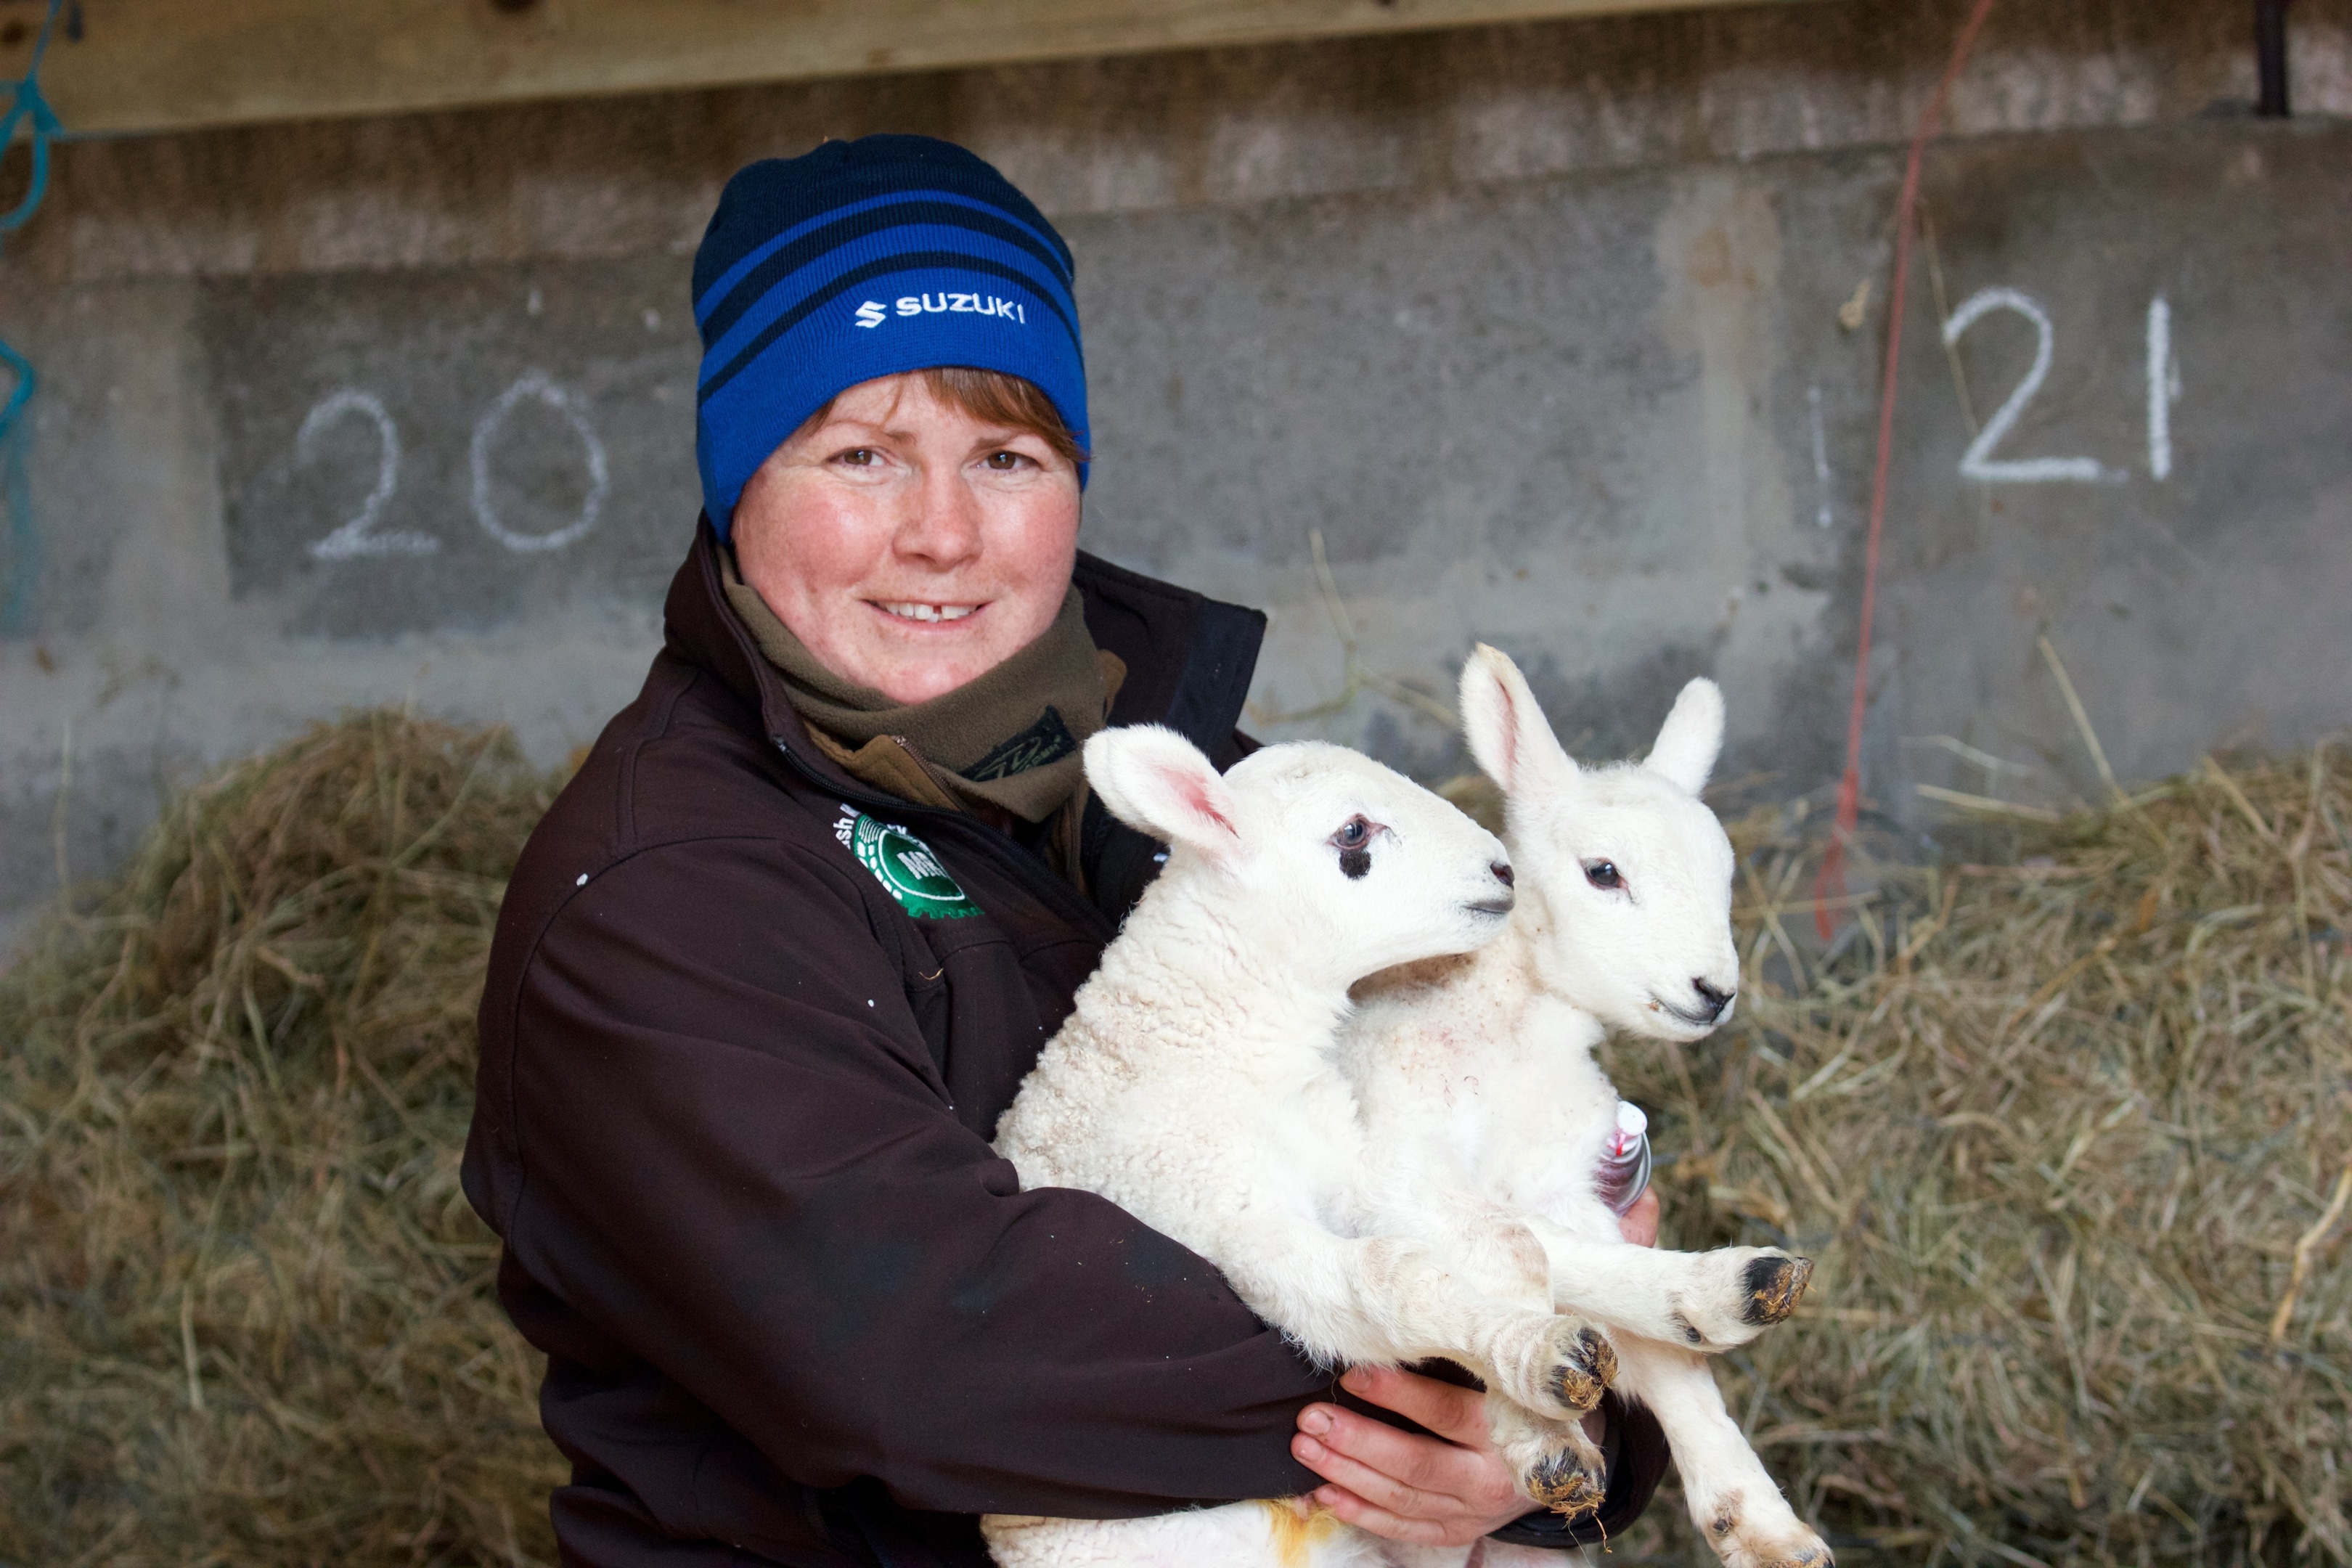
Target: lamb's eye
{"x":1603,"y":874}
{"x":1353,"y":841}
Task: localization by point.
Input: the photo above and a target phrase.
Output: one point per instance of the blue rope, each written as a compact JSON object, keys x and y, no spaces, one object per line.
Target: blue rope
{"x":20,"y":563}
{"x":25,"y":104}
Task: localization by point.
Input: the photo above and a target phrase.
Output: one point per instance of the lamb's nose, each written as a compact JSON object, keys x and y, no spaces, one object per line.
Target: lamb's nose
{"x":1713,"y":1002}
{"x":1502,"y":869}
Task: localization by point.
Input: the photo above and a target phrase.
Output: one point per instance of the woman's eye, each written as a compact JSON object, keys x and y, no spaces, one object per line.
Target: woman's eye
{"x":1005,"y":462}
{"x":857,"y":457}
{"x":1354,"y":835}
{"x":1603,"y":874}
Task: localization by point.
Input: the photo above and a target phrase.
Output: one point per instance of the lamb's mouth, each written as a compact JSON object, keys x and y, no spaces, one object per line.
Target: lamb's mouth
{"x":1495,"y":907}
{"x":1702,"y":1022}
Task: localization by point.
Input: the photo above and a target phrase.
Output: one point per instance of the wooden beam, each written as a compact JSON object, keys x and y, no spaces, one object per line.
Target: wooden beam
{"x":169,"y":65}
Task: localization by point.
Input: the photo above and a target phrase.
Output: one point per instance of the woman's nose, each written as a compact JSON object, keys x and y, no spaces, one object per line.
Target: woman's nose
{"x":943,"y":530}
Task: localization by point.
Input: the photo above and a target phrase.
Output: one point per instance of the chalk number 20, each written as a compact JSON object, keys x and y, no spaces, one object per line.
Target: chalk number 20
{"x":359,"y":536}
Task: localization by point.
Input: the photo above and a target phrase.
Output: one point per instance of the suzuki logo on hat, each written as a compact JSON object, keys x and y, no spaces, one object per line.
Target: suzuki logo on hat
{"x":873,"y":312}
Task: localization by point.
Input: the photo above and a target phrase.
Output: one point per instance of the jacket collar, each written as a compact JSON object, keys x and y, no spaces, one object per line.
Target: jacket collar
{"x":1189,"y":657}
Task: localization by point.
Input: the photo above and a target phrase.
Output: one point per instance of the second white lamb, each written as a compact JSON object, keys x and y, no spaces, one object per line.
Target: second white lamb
{"x":1478,"y":1072}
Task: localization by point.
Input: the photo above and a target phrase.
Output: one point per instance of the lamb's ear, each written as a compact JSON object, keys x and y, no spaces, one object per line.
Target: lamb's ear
{"x":1156,"y":782}
{"x":1507,"y":733}
{"x":1692,"y":736}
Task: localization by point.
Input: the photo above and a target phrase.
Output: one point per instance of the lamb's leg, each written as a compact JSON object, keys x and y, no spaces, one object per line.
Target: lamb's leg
{"x":1402,"y":1554}
{"x":1556,"y":1463}
{"x":1706,"y":1300}
{"x":1277,"y":1533}
{"x":1492,"y":1253}
{"x":1485,"y":1244}
{"x":1732,"y":1500}
{"x":1386,"y":1301}
{"x":1494,"y":1553}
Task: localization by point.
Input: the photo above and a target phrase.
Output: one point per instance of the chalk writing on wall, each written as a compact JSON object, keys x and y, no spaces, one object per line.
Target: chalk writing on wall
{"x":536,"y":384}
{"x":357,"y":537}
{"x":2163,"y":390}
{"x":2163,"y":387}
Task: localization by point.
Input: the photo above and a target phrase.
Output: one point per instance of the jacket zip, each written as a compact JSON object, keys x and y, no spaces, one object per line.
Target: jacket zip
{"x":1024,"y":868}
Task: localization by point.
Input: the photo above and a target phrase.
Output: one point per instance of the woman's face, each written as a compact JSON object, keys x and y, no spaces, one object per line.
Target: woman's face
{"x":908,"y":545}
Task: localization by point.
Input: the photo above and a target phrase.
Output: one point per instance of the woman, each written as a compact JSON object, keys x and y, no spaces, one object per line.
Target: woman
{"x":781,"y":953}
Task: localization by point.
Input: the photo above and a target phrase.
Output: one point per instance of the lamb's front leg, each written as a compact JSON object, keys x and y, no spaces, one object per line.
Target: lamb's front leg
{"x":1702,"y":1301}
{"x":1732,"y":1500}
{"x":1494,"y":1255}
{"x":1387,"y":1301}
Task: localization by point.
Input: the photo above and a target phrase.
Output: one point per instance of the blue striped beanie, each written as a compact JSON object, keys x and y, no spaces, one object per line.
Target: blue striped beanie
{"x":861,"y":259}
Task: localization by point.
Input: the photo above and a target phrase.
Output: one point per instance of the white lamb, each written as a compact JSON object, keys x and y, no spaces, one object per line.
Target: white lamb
{"x":1479,"y":1070}
{"x":1194,"y":1086}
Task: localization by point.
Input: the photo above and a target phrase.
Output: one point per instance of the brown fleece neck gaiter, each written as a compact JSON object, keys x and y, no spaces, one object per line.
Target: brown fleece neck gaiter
{"x":1008,"y":739}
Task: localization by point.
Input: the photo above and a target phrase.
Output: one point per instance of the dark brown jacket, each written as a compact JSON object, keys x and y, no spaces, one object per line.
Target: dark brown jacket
{"x":732,"y":1125}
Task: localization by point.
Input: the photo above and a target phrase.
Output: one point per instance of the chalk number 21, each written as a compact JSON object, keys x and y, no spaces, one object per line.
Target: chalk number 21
{"x":2163,"y":390}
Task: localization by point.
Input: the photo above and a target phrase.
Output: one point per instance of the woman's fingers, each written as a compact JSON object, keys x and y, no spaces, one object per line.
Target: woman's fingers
{"x":1639,"y":1224}
{"x":1458,"y":1414}
{"x":1379,"y":1521}
{"x":1407,"y":1486}
{"x":1375,"y":1487}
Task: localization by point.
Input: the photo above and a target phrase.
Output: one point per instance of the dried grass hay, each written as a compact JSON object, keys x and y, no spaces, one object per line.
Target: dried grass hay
{"x":2068,"y":1131}
{"x":247,"y":1312}
{"x":2070,"y":1136}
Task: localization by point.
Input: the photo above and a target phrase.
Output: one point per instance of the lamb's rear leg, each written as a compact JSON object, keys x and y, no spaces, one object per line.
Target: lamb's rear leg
{"x":1735,"y":1503}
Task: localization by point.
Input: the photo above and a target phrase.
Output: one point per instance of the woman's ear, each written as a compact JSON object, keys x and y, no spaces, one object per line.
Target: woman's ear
{"x":1156,"y":782}
{"x":1507,"y":733}
{"x":1691,"y":737}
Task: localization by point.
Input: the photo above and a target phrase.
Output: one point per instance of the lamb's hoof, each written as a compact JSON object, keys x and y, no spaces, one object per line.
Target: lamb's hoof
{"x":1555,"y":1462}
{"x":1777,"y":1541}
{"x":1806,"y":1551}
{"x":1585,"y":1367}
{"x":1776,"y":1283}
{"x":1567,"y":1484}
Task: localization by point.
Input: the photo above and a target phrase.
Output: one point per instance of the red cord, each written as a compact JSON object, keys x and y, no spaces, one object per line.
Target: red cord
{"x":1831,"y":883}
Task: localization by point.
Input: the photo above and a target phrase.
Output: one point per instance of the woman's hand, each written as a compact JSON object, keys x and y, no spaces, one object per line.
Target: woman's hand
{"x":1447,"y":1490}
{"x":1639,"y":1224}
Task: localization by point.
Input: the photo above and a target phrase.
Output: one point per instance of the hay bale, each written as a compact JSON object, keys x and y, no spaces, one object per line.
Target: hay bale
{"x":248,"y":1315}
{"x":2059,"y":1132}
{"x":2062,"y":1134}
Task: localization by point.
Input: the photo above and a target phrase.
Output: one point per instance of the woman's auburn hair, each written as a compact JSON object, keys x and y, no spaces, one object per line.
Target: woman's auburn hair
{"x":992,"y":398}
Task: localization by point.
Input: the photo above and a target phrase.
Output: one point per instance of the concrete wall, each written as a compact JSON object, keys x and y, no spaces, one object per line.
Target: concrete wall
{"x":1539,"y":327}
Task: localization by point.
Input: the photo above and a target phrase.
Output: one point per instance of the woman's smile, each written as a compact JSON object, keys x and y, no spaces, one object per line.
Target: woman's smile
{"x":925,"y":613}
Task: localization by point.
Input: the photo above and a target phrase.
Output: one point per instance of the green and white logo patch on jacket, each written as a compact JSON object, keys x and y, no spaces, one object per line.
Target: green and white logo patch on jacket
{"x":906,"y":867}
